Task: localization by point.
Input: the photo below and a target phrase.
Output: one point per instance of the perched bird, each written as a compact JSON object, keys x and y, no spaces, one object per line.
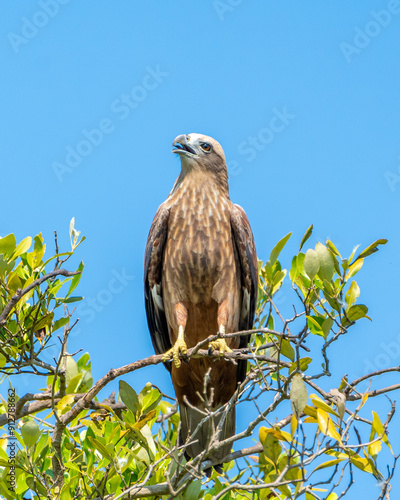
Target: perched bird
{"x":200,"y":275}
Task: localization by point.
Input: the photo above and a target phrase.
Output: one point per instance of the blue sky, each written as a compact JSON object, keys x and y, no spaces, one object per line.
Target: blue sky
{"x":304,"y":98}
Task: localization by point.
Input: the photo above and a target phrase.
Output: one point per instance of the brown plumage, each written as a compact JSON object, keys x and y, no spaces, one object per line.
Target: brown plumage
{"x":200,"y":279}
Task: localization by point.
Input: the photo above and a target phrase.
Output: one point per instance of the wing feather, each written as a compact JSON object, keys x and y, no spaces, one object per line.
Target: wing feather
{"x":153,"y":293}
{"x":247,"y":259}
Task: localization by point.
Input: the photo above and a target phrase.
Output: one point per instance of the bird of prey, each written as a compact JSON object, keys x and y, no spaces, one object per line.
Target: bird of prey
{"x":200,"y":275}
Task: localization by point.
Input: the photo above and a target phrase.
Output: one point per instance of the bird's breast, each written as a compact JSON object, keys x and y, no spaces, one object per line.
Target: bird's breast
{"x":199,"y":241}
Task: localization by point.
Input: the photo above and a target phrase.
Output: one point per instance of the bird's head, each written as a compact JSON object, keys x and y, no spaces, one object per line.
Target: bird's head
{"x":199,"y":151}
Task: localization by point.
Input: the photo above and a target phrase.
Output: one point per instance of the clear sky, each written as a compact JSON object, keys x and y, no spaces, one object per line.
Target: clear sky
{"x":303,"y":96}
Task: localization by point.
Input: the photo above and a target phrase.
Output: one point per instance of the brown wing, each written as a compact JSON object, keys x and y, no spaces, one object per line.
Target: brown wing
{"x":153,"y":294}
{"x":247,"y":256}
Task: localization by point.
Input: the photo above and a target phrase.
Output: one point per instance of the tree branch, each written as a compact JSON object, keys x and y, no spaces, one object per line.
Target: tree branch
{"x":21,"y":292}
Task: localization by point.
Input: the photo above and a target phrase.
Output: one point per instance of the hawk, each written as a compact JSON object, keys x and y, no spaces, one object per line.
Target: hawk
{"x":201,"y":278}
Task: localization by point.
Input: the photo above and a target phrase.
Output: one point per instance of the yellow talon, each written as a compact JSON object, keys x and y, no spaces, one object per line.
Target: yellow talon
{"x":179,"y":348}
{"x":219,"y":345}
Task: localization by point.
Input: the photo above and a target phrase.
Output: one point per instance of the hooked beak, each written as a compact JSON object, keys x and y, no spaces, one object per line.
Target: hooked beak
{"x":181,"y":146}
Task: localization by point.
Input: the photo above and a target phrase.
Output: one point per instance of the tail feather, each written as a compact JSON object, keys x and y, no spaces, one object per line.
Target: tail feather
{"x":200,"y":437}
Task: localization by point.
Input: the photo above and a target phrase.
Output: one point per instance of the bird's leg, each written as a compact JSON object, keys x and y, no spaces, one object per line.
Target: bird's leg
{"x":179,"y":347}
{"x":220,"y":344}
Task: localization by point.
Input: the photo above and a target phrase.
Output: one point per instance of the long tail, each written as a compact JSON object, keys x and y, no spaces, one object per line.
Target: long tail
{"x":201,"y":437}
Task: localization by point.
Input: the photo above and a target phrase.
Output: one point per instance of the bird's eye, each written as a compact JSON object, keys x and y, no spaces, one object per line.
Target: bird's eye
{"x":205,"y":146}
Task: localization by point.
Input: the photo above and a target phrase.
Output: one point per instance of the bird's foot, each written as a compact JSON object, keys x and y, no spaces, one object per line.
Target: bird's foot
{"x":178,"y":350}
{"x":219,"y":344}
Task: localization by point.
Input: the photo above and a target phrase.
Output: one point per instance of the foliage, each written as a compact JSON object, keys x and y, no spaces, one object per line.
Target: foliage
{"x":70,"y":445}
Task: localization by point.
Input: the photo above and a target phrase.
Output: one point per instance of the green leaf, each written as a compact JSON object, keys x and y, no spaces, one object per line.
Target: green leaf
{"x":326,"y":326}
{"x":298,"y":394}
{"x":354,"y":268}
{"x":315,"y":325}
{"x":193,"y":490}
{"x":5,"y":266}
{"x":7,"y":245}
{"x":355,"y":313}
{"x":318,"y":403}
{"x":284,"y":488}
{"x":38,"y":250}
{"x":307,"y":234}
{"x":14,"y":282}
{"x":333,"y":302}
{"x":326,"y":426}
{"x":100,"y":447}
{"x":353,"y":253}
{"x":278,"y":248}
{"x":332,"y":248}
{"x":129,"y":396}
{"x":326,"y":265}
{"x":87,"y":381}
{"x":272,"y":448}
{"x":65,"y":401}
{"x":377,"y":427}
{"x":362,"y":464}
{"x":69,"y":300}
{"x":332,"y":496}
{"x":278,"y":280}
{"x":300,"y":263}
{"x":311,"y":263}
{"x":372,"y":248}
{"x":287,"y":349}
{"x":303,"y":362}
{"x":74,"y":383}
{"x":329,"y":463}
{"x":3,"y":360}
{"x":84,"y":362}
{"x":145,"y":439}
{"x":43,"y":322}
{"x":328,"y":287}
{"x":59,"y":323}
{"x":23,"y":247}
{"x":144,"y":419}
{"x":76,"y":279}
{"x":352,"y":294}
{"x":36,"y":486}
{"x":71,"y":369}
{"x":293,"y":273}
{"x":150,"y":401}
{"x":30,"y":433}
